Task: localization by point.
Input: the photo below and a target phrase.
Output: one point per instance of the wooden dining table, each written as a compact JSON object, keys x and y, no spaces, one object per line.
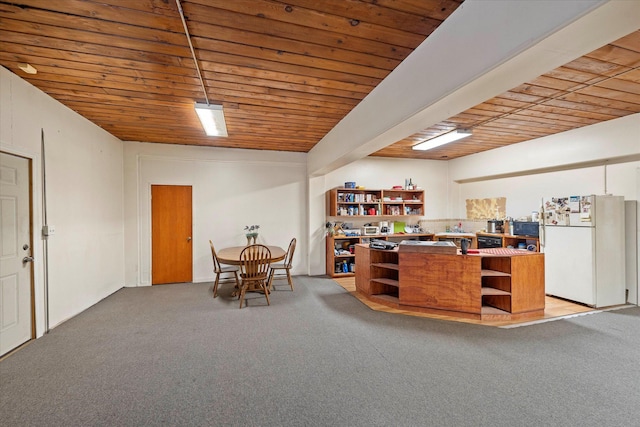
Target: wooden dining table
{"x":231,"y":255}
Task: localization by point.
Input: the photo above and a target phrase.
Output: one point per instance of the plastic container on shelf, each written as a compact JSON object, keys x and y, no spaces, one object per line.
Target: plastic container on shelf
{"x":345,"y":267}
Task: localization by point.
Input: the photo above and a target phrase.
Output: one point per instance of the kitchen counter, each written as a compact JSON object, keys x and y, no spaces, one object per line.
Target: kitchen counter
{"x":484,"y":233}
{"x":456,"y":234}
{"x":457,"y":237}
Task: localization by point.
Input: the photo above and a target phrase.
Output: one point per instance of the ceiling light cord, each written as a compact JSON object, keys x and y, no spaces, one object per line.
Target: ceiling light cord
{"x":193,"y":53}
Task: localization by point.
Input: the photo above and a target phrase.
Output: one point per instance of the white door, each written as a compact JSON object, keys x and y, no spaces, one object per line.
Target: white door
{"x":15,"y":253}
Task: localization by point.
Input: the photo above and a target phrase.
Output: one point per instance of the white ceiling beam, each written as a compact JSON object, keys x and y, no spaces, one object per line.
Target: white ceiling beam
{"x":483,"y":49}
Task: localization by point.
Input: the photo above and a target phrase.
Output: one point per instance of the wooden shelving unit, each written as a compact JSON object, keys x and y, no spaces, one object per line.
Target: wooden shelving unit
{"x":372,"y":204}
{"x":514,"y":241}
{"x":337,"y":242}
{"x":379,"y":276}
{"x":365,"y":203}
{"x":496,"y":285}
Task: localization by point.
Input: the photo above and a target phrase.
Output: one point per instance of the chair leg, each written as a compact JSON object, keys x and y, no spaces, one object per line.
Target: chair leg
{"x":289,"y":279}
{"x":270,"y":280}
{"x":265,"y":286}
{"x":235,"y":273}
{"x":215,"y":286}
{"x":241,"y":296}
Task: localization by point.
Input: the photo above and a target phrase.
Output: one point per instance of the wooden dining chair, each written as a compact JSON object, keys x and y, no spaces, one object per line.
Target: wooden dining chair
{"x":284,"y":268}
{"x":219,"y":270}
{"x":254,"y":271}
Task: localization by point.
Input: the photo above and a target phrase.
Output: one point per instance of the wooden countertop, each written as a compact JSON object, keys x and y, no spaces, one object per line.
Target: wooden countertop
{"x":454,"y":234}
{"x":515,"y":236}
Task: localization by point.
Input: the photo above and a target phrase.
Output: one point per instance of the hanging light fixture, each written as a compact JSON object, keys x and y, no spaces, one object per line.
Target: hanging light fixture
{"x":212,"y":118}
{"x":445,"y":138}
{"x":211,"y":115}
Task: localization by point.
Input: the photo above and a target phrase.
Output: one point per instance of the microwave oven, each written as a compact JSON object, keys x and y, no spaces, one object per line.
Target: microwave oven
{"x":370,"y":230}
{"x":526,"y":228}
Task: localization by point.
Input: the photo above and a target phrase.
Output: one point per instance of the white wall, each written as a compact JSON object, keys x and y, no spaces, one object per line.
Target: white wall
{"x":558,"y":164}
{"x":84,"y":171}
{"x":524,"y":193}
{"x":377,"y":172}
{"x":616,"y":140}
{"x":231,"y":189}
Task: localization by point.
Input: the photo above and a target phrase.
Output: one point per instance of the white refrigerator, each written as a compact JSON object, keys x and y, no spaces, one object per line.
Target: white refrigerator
{"x":584,"y":245}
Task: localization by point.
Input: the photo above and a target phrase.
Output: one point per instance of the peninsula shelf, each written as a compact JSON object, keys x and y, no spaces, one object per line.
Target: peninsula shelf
{"x":496,"y":284}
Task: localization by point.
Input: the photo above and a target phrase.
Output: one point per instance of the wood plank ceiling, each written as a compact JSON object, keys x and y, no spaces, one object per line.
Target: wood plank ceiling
{"x":286,"y":72}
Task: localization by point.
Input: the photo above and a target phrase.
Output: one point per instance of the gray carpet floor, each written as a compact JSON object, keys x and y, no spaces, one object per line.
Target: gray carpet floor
{"x":173,"y":355}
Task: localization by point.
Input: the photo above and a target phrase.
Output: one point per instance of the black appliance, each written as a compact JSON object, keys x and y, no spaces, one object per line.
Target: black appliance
{"x":382,"y":244}
{"x":526,"y":228}
{"x":489,"y":242}
{"x":495,"y":226}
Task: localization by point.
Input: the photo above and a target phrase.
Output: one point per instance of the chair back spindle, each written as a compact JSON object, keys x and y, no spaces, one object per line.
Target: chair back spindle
{"x":254,"y":270}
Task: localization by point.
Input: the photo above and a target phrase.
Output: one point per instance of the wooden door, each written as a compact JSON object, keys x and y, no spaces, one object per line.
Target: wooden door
{"x":171,"y":242}
{"x":16,"y":263}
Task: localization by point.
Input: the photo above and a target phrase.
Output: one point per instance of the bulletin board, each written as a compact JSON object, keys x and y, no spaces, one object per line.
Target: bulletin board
{"x":487,"y":208}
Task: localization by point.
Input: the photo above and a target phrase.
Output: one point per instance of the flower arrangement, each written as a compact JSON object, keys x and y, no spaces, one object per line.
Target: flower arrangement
{"x":252,"y":233}
{"x":251,"y":230}
{"x":329,"y":228}
{"x":333,"y":228}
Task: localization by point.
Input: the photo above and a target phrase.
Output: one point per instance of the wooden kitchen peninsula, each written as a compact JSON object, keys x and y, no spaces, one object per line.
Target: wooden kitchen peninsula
{"x":492,"y":284}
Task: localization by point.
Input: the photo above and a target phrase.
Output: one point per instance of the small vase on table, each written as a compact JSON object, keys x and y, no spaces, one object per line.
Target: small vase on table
{"x":251,"y":233}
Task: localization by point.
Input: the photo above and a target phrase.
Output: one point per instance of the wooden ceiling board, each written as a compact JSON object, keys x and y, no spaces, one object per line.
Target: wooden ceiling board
{"x":420,"y":20}
{"x":317,"y":16}
{"x":285,"y":72}
{"x":572,"y":114}
{"x":281,"y":45}
{"x":297,"y":30}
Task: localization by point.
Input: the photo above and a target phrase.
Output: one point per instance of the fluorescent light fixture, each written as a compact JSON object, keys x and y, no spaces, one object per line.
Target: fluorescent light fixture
{"x":27,"y":68}
{"x":212,"y":118}
{"x":445,"y":138}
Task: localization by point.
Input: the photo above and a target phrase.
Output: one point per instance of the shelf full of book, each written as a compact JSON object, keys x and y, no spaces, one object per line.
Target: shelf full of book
{"x":365,"y":203}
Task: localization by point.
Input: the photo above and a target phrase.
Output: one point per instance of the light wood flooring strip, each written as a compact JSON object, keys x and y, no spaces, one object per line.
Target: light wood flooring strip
{"x":554,"y":307}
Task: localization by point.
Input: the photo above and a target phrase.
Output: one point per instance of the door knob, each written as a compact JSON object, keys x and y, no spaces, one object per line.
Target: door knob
{"x":27,"y":259}
{"x":189,"y":239}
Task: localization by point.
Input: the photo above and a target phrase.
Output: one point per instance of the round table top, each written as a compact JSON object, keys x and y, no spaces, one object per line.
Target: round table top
{"x":231,"y":256}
